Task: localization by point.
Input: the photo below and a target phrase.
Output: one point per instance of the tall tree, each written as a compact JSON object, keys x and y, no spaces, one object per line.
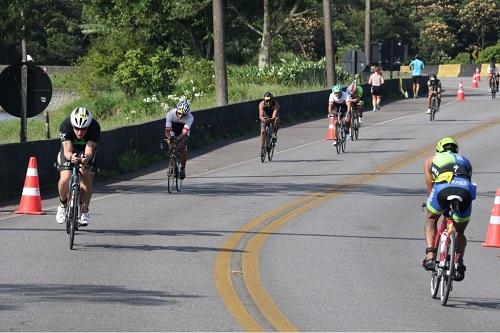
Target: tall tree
{"x":275,"y":15}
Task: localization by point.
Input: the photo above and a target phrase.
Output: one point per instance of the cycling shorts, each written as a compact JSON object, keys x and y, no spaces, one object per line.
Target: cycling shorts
{"x":437,"y":203}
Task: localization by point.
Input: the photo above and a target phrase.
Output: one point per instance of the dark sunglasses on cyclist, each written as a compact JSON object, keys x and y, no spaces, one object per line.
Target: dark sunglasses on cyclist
{"x":180,"y":114}
{"x":80,"y":129}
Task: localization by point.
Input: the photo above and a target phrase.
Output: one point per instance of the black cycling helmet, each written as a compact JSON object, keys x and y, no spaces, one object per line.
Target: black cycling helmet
{"x":268,"y":96}
{"x":433,"y":77}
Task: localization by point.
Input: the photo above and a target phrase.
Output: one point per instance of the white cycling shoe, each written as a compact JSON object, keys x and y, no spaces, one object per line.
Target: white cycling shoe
{"x":84,"y":219}
{"x":61,"y":214}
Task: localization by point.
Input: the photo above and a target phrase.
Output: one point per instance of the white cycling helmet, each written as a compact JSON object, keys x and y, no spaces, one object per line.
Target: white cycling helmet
{"x":183,"y":106}
{"x":81,"y":117}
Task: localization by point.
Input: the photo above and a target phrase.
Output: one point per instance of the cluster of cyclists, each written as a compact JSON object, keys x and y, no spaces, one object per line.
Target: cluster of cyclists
{"x":446,"y":173}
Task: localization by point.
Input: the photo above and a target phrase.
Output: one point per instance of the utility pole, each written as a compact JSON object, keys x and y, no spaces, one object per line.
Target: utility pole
{"x":368,"y":35}
{"x":219,"y":53}
{"x":24,"y":85}
{"x":329,"y":48}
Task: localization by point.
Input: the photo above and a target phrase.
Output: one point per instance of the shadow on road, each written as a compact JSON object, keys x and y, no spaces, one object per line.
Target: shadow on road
{"x":20,"y":293}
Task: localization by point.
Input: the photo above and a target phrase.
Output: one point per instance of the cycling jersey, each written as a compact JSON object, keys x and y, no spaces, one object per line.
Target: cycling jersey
{"x":178,"y":124}
{"x":269,"y":109}
{"x":66,"y":133}
{"x":492,"y":70}
{"x":434,"y":85}
{"x":451,"y":175}
{"x":447,"y":165}
{"x":333,"y":99}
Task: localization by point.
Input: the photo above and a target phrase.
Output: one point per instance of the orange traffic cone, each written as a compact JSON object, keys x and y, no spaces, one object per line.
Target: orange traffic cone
{"x":478,"y":74}
{"x":493,"y":233}
{"x":474,"y":82}
{"x":31,"y":202}
{"x":330,"y":134}
{"x":460,"y":92}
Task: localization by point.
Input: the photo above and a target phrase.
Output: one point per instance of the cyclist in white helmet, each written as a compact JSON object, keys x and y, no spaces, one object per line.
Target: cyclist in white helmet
{"x":79,"y":135}
{"x":177,"y":127}
{"x":493,"y":73}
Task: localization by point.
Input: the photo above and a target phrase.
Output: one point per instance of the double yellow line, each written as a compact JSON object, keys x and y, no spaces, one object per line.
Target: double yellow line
{"x":248,"y":242}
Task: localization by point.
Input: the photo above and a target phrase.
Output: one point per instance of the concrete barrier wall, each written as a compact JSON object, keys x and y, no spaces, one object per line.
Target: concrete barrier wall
{"x":209,"y":126}
{"x":452,"y":70}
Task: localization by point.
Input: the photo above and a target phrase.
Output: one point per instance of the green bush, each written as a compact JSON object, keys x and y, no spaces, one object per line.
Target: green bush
{"x":196,"y":77}
{"x":148,"y":74}
{"x":461,"y":58}
{"x":488,"y":53}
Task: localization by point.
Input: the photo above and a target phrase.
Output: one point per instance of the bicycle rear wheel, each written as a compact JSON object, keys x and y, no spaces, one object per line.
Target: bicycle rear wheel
{"x":355,"y":134}
{"x":171,"y":174}
{"x":493,"y":89}
{"x":448,"y":270}
{"x":433,"y":108}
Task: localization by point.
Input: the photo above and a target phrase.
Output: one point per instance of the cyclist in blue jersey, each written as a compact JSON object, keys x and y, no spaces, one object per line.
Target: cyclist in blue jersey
{"x":416,"y":67}
{"x":448,"y":173}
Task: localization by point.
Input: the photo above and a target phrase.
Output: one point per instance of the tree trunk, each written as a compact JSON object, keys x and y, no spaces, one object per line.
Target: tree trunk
{"x":219,"y":53}
{"x":265,"y":43}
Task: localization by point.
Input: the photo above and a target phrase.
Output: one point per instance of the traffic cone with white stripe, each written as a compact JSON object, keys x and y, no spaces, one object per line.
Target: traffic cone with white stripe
{"x":330,"y":134}
{"x":474,"y":81}
{"x":460,"y":92}
{"x":493,"y":233}
{"x":478,"y":74}
{"x":31,"y":202}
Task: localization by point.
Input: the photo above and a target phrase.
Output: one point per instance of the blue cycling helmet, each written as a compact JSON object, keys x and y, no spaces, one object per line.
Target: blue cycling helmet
{"x":336,"y":88}
{"x":183,"y":106}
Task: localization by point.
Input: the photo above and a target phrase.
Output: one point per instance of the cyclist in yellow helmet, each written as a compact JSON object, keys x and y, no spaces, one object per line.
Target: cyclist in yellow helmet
{"x":447,"y":173}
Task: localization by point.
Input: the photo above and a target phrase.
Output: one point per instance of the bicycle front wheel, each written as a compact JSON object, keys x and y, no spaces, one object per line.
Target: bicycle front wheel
{"x":448,"y":270}
{"x":178,"y":181}
{"x":343,"y":138}
{"x":73,"y":217}
{"x":171,"y":175}
{"x":338,"y":138}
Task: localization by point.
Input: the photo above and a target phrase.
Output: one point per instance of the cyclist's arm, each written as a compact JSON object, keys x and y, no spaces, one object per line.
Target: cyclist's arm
{"x":90,"y":148}
{"x":262,"y":114}
{"x":276,"y":110}
{"x":67,"y":149}
{"x":427,"y":174}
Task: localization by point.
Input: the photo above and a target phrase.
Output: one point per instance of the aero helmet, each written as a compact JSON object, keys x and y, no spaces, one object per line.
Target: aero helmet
{"x":336,"y":88}
{"x":433,"y":77}
{"x":447,"y":144}
{"x":183,"y":106}
{"x":268,"y":96}
{"x":81,"y":117}
{"x":352,"y":88}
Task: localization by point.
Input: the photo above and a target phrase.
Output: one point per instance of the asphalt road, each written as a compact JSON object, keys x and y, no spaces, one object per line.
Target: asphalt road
{"x":312,"y":241}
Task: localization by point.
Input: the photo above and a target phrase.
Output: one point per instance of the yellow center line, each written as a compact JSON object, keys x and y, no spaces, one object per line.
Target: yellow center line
{"x":261,"y":227}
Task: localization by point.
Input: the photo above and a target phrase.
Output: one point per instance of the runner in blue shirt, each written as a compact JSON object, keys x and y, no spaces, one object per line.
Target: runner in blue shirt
{"x":416,"y":66}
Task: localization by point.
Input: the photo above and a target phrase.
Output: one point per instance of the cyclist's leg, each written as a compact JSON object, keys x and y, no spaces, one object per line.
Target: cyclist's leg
{"x":86,"y":188}
{"x":434,"y":212}
{"x":64,"y":176}
{"x":439,"y":99}
{"x":262,"y":132}
{"x":181,"y":144}
{"x":276,"y":125}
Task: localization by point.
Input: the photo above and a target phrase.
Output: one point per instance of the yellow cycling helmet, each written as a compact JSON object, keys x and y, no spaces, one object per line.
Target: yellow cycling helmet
{"x":447,"y":144}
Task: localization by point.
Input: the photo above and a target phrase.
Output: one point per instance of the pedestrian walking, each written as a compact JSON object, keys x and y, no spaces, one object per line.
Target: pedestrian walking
{"x":376,"y":81}
{"x":416,"y":67}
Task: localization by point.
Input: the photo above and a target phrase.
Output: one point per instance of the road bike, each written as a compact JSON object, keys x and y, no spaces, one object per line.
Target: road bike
{"x":434,"y":105}
{"x":73,"y":208}
{"x":355,"y":125}
{"x":340,"y":135}
{"x":269,"y":144}
{"x":173,"y":169}
{"x":446,"y":262}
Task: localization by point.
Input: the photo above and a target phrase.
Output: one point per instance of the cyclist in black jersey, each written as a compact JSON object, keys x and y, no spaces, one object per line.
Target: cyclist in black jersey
{"x":434,"y":86}
{"x":79,"y":135}
{"x":269,"y":109}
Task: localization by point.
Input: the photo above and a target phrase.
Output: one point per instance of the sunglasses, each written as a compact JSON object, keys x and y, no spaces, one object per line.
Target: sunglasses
{"x":80,"y":129}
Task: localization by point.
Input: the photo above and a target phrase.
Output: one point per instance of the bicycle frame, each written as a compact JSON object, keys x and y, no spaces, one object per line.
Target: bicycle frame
{"x":446,"y":259}
{"x":267,"y":147}
{"x":73,"y":207}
